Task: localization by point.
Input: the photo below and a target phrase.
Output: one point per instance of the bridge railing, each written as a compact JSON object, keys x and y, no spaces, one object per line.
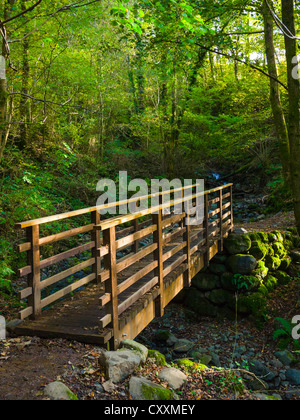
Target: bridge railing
{"x":103,"y":241}
{"x":167,"y":250}
{"x":36,"y":293}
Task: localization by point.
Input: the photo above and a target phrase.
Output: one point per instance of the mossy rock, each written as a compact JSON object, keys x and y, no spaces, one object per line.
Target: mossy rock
{"x":279,"y":235}
{"x":272,"y":237}
{"x":217,"y":269}
{"x":164,"y":336}
{"x":242,"y":264}
{"x":245,"y":283}
{"x":271,"y":251}
{"x":136,"y":348}
{"x":185,"y":363}
{"x":205,"y":281}
{"x":237,"y":244}
{"x":219,"y":296}
{"x":159,"y":358}
{"x":227,"y":282}
{"x":196,"y":302}
{"x":258,"y":250}
{"x":285,"y":263}
{"x":254,"y":236}
{"x":144,"y":390}
{"x":295,"y":255}
{"x":283,"y":278}
{"x":188,"y":364}
{"x":254,"y":304}
{"x":270,"y":283}
{"x":264,"y":237}
{"x":273,"y":263}
{"x":279,"y":249}
{"x":289,"y":245}
{"x":261,"y":270}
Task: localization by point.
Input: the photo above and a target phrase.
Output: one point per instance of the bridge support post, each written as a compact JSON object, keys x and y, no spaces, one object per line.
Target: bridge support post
{"x":34,"y":278}
{"x":206,"y":232}
{"x":187,"y":250}
{"x":111,"y":285}
{"x":158,"y":256}
{"x":221,"y":244}
{"x":96,"y":237}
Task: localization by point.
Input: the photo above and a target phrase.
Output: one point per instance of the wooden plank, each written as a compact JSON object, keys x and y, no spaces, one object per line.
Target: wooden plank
{"x":174,"y":235}
{"x":25,"y":293}
{"x":67,"y":290}
{"x":136,"y":277}
{"x":174,"y":251}
{"x":104,"y":299}
{"x":158,"y":257}
{"x":187,"y":251}
{"x":65,"y":235}
{"x":24,"y":247}
{"x":96,"y":238}
{"x":129,"y":240}
{"x":133,"y":258}
{"x":206,"y":227}
{"x":26,"y":313}
{"x":137,"y":295}
{"x":57,"y":258}
{"x":226,"y":206}
{"x":172,"y":220}
{"x":67,"y":273}
{"x":136,"y":244}
{"x":221,"y":222}
{"x":111,"y":286}
{"x":34,"y":278}
{"x":105,"y":321}
{"x":174,"y":265}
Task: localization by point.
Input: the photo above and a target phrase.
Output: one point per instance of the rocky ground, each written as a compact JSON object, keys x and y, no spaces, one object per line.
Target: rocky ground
{"x":27,"y":365}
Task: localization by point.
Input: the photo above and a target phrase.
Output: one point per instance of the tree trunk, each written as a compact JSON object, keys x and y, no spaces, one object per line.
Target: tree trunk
{"x":277,"y":109}
{"x":293,"y":96}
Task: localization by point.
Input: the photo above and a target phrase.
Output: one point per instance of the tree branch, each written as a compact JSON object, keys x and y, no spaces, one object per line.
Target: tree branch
{"x":22,"y":13}
{"x":245,"y":63}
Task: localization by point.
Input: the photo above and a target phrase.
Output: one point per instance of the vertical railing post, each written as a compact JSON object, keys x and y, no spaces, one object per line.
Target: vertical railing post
{"x":206,"y":227}
{"x":34,"y":278}
{"x":111,"y":285}
{"x":158,"y":256}
{"x":231,"y":206}
{"x":187,"y":249}
{"x":221,"y":247}
{"x":96,"y":237}
{"x":136,"y":245}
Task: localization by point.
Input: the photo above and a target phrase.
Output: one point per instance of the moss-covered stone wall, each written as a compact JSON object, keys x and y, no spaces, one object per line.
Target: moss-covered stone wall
{"x":239,"y":279}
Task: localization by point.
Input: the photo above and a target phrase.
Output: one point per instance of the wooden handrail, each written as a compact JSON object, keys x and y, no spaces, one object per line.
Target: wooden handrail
{"x":81,"y":212}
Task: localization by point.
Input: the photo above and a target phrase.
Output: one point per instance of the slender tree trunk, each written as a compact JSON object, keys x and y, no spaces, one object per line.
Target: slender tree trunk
{"x":24,"y":104}
{"x":277,"y":109}
{"x":8,"y":4}
{"x":294,"y":100}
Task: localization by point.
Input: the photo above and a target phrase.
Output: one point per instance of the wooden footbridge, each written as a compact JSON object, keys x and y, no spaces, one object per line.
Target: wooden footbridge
{"x":130,"y":267}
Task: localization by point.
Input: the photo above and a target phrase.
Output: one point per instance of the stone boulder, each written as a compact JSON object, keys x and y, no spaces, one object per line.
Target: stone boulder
{"x":174,"y":377}
{"x":119,"y":364}
{"x":137,"y":348}
{"x":142,"y":389}
{"x":58,"y":391}
{"x":242,"y":264}
{"x":237,"y":244}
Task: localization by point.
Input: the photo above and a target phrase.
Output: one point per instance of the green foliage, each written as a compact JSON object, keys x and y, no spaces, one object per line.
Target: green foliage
{"x":283,"y":334}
